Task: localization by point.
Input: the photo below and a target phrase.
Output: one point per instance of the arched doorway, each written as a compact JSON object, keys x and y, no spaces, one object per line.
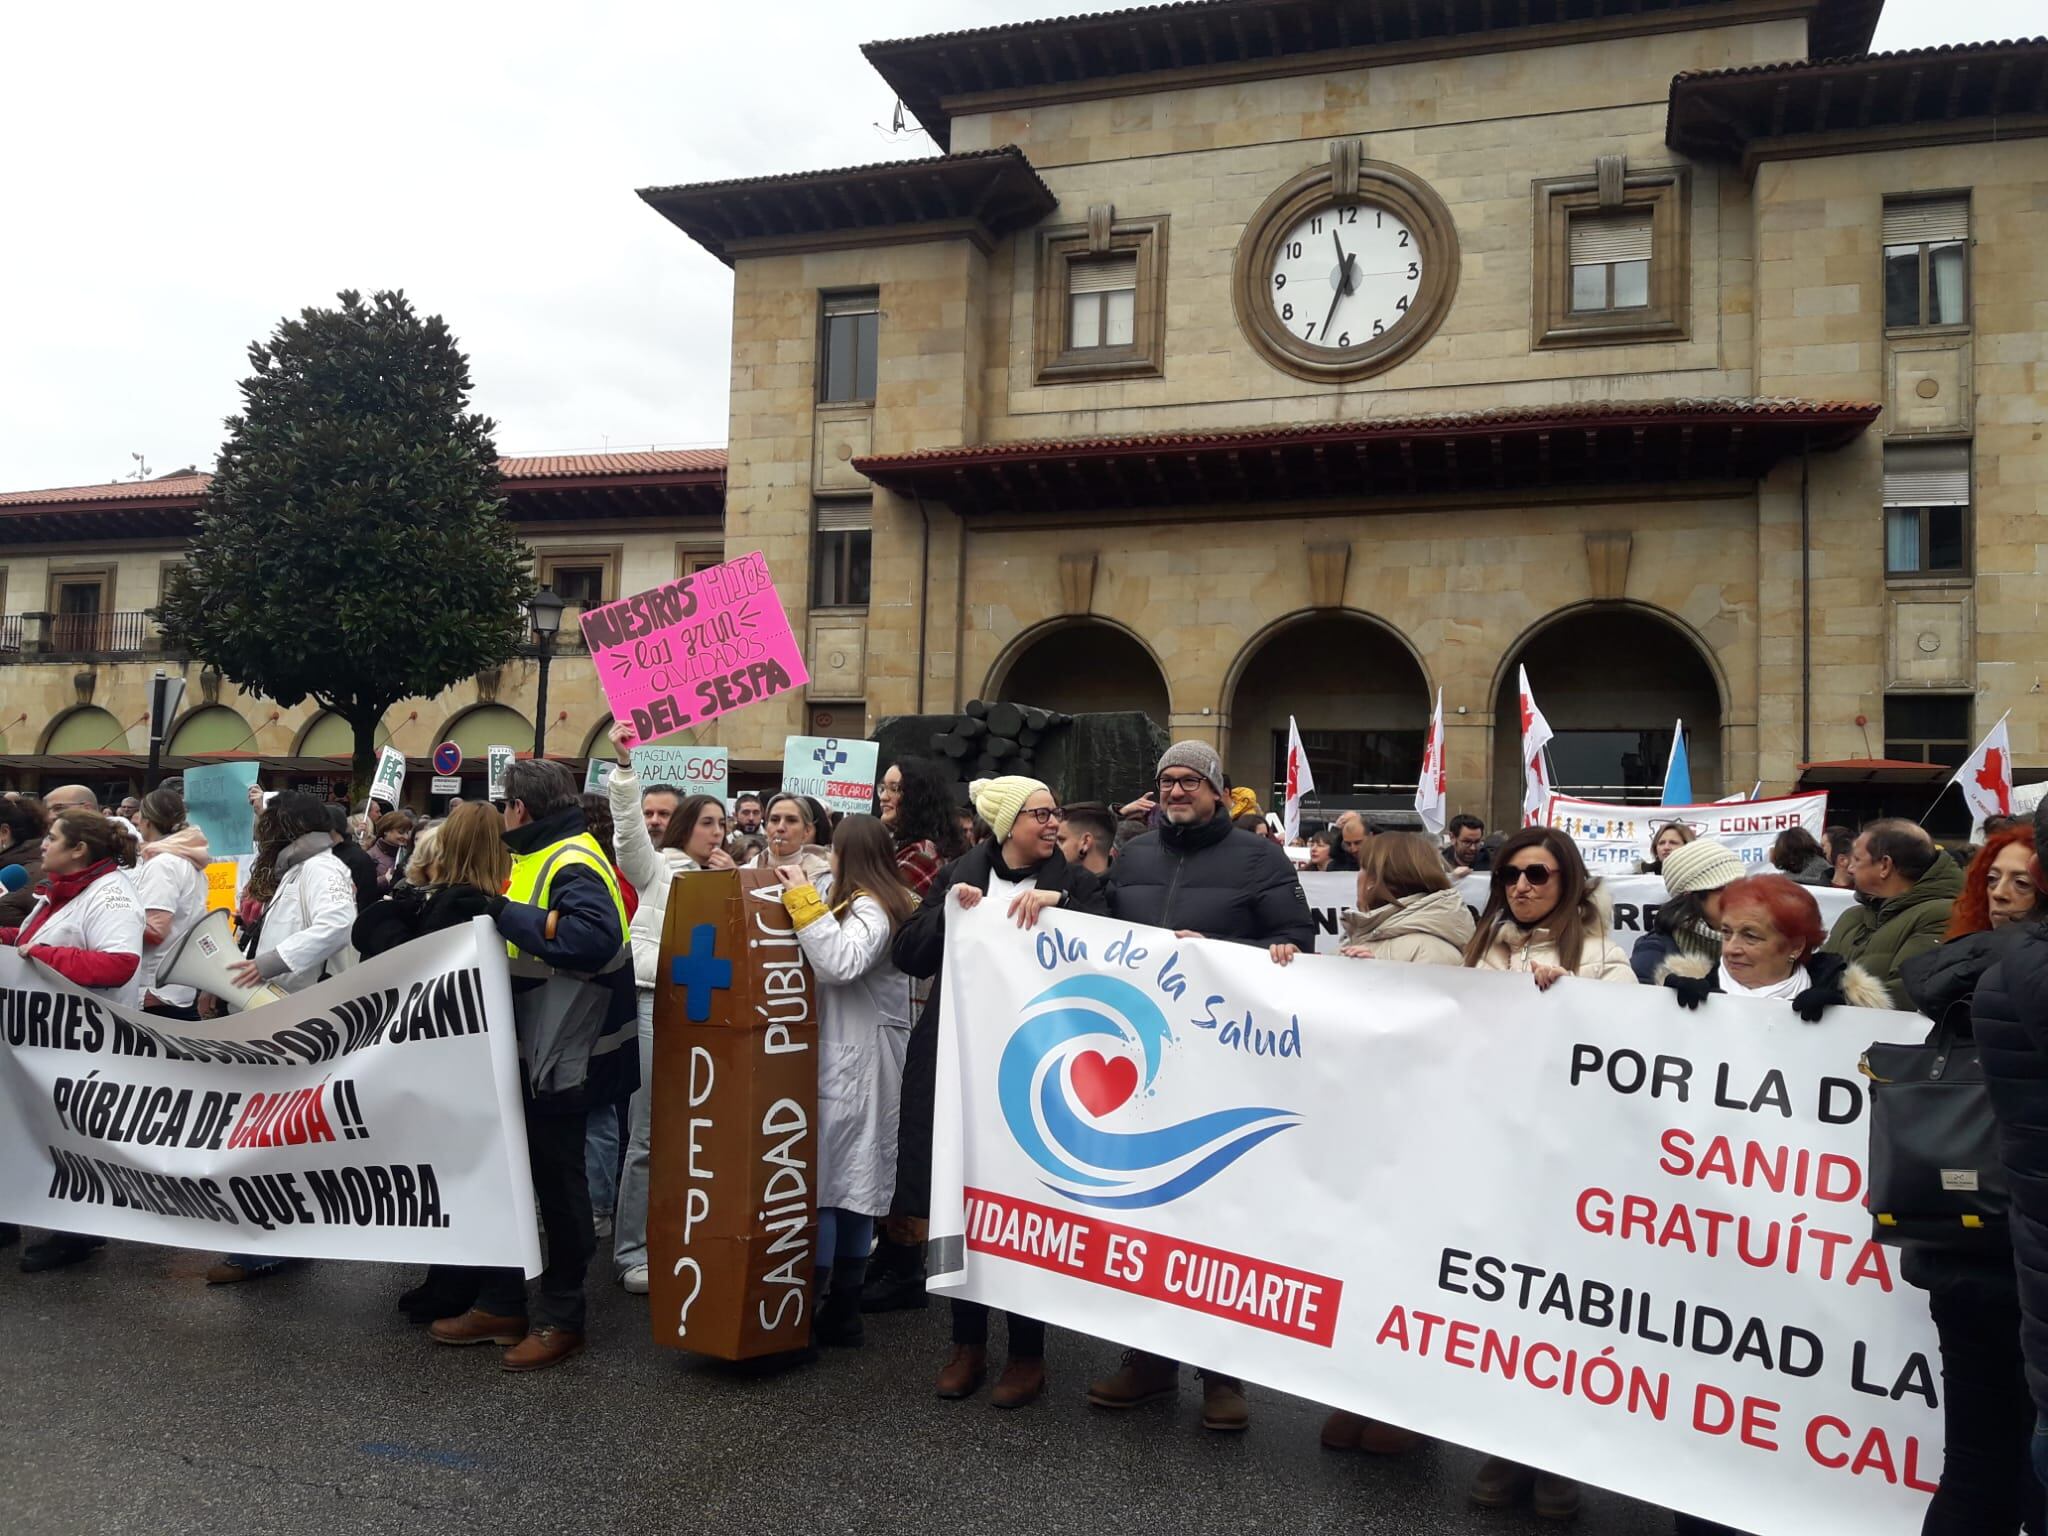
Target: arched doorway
{"x":1084,"y":667}
{"x":212,"y":728}
{"x":1357,"y":694}
{"x":85,"y":729}
{"x":1611,"y":681}
{"x":331,"y":736}
{"x":477,"y":730}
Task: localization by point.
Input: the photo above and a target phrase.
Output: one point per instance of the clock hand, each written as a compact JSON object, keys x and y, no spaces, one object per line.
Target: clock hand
{"x":1343,"y":282}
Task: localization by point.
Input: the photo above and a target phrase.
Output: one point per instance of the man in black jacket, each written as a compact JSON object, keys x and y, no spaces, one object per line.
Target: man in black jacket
{"x":1204,"y":879}
{"x":2010,"y":1015}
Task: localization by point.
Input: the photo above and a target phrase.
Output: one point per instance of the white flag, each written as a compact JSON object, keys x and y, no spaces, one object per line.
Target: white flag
{"x":1986,"y":777}
{"x":1535,"y":771}
{"x":1429,"y":788}
{"x":1299,"y":780}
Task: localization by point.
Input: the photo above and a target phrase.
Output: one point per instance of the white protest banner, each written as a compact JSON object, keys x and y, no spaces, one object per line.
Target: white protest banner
{"x":687,"y":770}
{"x":836,"y":771}
{"x":1580,"y":1228}
{"x":388,"y":782}
{"x":497,"y":760}
{"x":373,"y":1116}
{"x":1632,"y":902}
{"x":1615,"y":839}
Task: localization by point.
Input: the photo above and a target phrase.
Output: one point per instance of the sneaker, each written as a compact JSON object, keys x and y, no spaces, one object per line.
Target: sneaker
{"x":475,"y":1327}
{"x":634,"y":1281}
{"x":542,"y":1348}
{"x":57,"y":1250}
{"x":603,"y":1227}
{"x":1141,"y":1379}
{"x":1223,"y":1405}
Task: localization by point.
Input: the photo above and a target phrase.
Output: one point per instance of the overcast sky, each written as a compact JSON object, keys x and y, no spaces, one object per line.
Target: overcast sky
{"x":173,"y":178}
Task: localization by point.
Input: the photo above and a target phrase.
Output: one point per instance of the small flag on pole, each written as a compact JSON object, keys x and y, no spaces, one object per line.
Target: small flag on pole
{"x":1986,"y":777}
{"x":1678,"y":771}
{"x":1429,"y":788}
{"x":1535,"y":769}
{"x":1300,"y":781}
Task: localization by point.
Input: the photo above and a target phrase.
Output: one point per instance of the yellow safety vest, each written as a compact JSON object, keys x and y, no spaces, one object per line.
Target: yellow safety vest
{"x":533,"y":876}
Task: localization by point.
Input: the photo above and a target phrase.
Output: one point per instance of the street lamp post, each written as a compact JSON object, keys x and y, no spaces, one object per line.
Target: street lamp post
{"x":544,"y":609}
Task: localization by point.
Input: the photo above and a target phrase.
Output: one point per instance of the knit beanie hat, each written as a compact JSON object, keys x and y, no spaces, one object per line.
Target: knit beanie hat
{"x":1244,"y":801}
{"x":1701,"y":865}
{"x":1197,"y":757}
{"x":997,"y":801}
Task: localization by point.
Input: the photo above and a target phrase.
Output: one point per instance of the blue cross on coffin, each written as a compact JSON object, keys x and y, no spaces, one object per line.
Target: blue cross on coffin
{"x":700,"y":972}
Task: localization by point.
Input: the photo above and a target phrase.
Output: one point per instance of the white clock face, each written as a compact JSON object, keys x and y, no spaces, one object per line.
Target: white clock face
{"x":1344,"y":276}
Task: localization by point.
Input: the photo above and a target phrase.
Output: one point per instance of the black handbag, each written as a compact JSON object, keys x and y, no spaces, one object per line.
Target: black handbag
{"x":1934,"y":1171}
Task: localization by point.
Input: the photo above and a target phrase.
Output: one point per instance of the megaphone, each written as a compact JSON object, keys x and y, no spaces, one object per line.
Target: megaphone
{"x":201,"y":957}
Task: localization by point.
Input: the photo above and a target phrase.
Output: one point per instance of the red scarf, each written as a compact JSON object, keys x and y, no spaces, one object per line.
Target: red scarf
{"x":60,"y":889}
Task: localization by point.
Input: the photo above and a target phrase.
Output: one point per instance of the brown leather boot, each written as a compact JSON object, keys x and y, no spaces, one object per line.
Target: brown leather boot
{"x":963,"y":1372}
{"x":542,"y":1348}
{"x":1500,"y":1482}
{"x":1379,"y":1439}
{"x":1022,"y":1383}
{"x":1341,"y":1430}
{"x":474,"y":1327}
{"x":1141,"y":1379}
{"x":1223,"y":1405}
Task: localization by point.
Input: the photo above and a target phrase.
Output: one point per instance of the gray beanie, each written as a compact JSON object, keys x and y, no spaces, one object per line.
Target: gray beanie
{"x":1196,"y":757}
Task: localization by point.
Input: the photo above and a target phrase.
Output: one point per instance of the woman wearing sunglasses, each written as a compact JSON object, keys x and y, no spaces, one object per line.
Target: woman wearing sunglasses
{"x":1544,"y":916}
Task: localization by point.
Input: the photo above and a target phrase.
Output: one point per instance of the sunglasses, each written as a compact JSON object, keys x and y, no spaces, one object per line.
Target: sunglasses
{"x":1538,"y":875}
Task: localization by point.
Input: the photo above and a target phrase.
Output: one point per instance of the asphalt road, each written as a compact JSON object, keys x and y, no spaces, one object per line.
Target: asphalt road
{"x":134,"y":1398}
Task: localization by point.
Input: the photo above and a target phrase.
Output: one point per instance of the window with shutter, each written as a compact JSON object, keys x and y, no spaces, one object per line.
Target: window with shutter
{"x":851,"y":331}
{"x":842,"y":554}
{"x":1926,"y":509}
{"x":1610,"y":260}
{"x":1926,"y":261}
{"x":1102,"y":302}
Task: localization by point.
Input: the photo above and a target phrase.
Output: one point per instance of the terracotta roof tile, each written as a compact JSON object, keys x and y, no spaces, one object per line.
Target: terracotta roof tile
{"x":1812,"y":66}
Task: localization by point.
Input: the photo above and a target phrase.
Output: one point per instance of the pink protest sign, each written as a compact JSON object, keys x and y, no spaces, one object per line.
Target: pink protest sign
{"x":694,"y":648}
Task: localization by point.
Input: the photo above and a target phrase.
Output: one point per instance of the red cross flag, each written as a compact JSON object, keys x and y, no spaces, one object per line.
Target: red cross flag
{"x":1535,"y":767}
{"x":1299,"y":780}
{"x":1429,"y":788}
{"x":1986,"y":778}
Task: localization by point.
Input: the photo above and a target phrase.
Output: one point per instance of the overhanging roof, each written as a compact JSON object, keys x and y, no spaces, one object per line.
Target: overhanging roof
{"x":1618,"y":442}
{"x":544,"y":489}
{"x":1155,"y":47}
{"x":989,"y":192}
{"x":1871,"y":770}
{"x":1831,"y":105}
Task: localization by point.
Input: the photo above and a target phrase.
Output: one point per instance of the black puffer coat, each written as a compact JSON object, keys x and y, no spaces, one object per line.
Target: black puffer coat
{"x":2010,"y":1015}
{"x":1214,"y":879}
{"x":919,"y":946}
{"x":1942,"y":984}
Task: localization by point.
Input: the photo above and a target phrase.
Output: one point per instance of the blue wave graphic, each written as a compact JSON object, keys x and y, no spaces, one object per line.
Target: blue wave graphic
{"x":1040,"y":1046}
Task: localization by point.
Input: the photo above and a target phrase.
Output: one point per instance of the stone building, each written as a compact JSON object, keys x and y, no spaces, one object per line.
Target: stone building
{"x":1256,"y":358}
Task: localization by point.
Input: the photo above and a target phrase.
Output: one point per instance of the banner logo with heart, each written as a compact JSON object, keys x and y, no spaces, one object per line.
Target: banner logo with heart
{"x":1088,"y":1052}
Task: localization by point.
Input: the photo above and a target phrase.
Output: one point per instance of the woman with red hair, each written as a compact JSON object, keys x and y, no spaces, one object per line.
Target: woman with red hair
{"x":1987,"y":1485}
{"x":1771,"y":933}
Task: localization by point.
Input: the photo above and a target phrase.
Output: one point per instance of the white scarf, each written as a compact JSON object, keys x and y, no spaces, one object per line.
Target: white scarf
{"x":1787,"y":989}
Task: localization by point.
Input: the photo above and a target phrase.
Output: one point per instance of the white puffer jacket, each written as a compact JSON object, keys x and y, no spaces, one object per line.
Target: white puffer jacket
{"x":651,"y":870}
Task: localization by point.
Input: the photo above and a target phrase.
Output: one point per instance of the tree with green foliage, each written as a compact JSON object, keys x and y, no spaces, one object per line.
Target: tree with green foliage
{"x":353,"y":547}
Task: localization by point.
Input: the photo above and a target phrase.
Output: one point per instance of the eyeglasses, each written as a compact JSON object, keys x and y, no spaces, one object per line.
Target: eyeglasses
{"x":1538,"y":875}
{"x":1181,"y":786}
{"x":1042,"y":814}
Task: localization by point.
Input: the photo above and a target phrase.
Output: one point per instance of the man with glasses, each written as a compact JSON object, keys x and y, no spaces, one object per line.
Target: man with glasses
{"x":1203,"y":878}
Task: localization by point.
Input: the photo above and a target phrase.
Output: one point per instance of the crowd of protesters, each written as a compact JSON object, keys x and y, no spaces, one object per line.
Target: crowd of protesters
{"x":579,"y":886}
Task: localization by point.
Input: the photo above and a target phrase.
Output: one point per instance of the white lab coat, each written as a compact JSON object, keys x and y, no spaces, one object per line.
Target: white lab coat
{"x":650,"y":869}
{"x":307,"y":922}
{"x":863,"y":1032}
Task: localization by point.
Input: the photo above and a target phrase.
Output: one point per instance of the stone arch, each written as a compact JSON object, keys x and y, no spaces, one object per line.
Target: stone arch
{"x":328,"y":735}
{"x":482,"y":726}
{"x":1611,"y":678}
{"x":1359,"y":693}
{"x":86,"y":728}
{"x":1082,"y":664}
{"x":208,"y":730}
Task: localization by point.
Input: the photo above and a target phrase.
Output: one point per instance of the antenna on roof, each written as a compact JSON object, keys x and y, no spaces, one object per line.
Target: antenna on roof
{"x":899,"y":123}
{"x":141,"y":471}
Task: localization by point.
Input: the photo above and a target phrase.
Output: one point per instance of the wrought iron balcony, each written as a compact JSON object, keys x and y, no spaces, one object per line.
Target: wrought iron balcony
{"x":78,"y":636}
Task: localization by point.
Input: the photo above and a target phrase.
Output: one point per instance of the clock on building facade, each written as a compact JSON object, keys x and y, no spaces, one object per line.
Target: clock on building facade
{"x":1345,"y":270}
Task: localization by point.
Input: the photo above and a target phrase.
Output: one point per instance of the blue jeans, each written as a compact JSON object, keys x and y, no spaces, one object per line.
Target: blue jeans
{"x":843,"y":1236}
{"x":256,"y":1263}
{"x":2040,"y":1449}
{"x":601,"y":1158}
